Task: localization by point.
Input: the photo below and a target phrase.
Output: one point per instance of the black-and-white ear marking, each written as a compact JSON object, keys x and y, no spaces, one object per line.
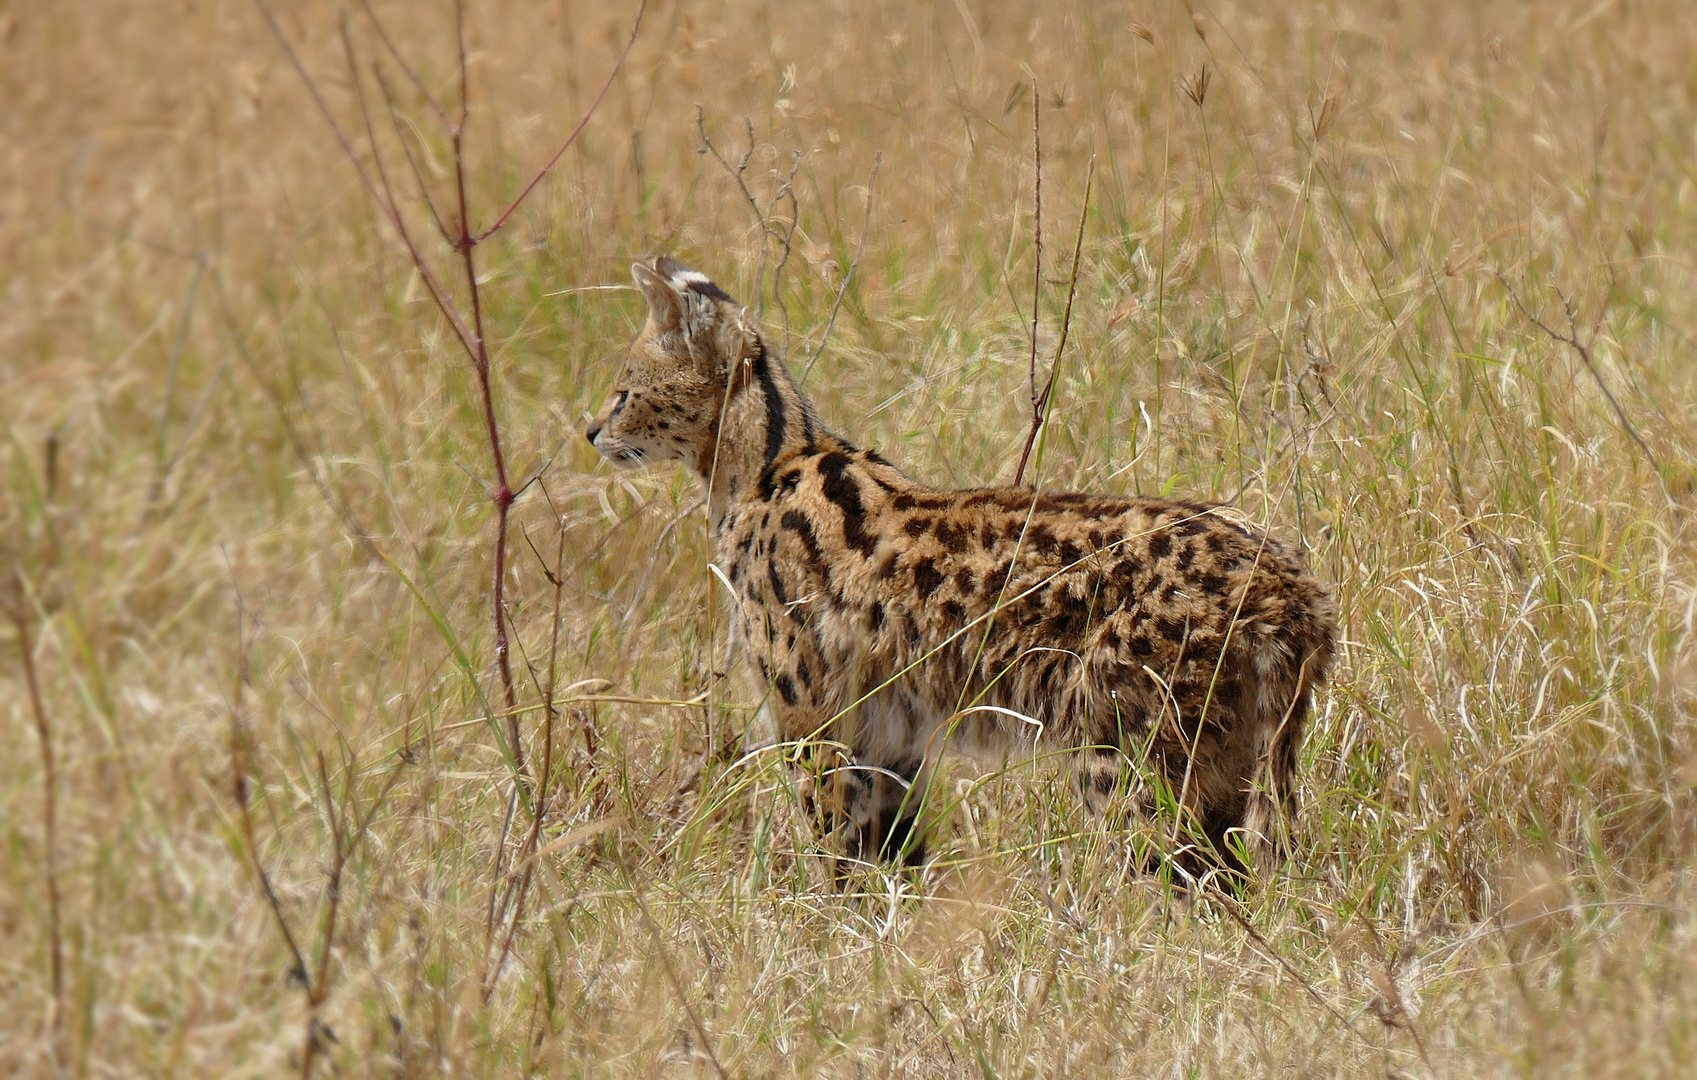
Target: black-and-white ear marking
{"x":684,"y":279}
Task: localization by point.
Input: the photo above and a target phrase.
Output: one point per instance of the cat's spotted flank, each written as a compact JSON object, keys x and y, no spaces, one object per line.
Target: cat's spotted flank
{"x":1174,"y":645}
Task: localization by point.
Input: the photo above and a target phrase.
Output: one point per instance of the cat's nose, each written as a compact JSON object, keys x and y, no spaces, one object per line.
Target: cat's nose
{"x":594,"y":430}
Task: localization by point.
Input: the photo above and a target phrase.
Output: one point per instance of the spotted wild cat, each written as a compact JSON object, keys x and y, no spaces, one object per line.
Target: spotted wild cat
{"x":1171,"y":643}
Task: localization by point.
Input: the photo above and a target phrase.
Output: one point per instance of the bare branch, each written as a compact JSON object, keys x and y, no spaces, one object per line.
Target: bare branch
{"x":437,"y":292}
{"x":1037,"y":261}
{"x":406,"y":68}
{"x":762,"y":218}
{"x":240,"y":787}
{"x":1235,"y":910}
{"x":412,"y":163}
{"x":465,"y":81}
{"x":1573,"y":341}
{"x":17,"y":609}
{"x":860,"y":249}
{"x":618,"y":65}
{"x":1041,"y":403}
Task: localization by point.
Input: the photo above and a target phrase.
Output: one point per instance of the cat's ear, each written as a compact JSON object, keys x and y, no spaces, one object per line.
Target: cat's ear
{"x":667,"y":312}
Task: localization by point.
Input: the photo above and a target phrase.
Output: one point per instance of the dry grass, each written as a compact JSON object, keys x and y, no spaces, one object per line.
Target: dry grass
{"x":246,"y":536}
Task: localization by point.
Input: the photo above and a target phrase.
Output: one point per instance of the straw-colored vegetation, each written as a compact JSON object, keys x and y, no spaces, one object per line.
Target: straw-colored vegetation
{"x":246,"y":527}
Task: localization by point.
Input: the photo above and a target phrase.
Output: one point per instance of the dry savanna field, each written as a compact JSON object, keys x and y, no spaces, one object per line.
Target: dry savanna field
{"x":1410,"y":282}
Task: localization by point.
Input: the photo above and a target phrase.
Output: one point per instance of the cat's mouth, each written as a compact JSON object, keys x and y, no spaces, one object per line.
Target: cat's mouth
{"x":625,"y":457}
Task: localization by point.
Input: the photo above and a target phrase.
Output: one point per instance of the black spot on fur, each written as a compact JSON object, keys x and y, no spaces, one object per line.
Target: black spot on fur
{"x":964,"y":582}
{"x":1160,"y":544}
{"x":876,"y":614}
{"x":1070,"y":553}
{"x":775,"y":422}
{"x":886,"y":565}
{"x":786,"y":687}
{"x":952,"y":537}
{"x":1171,"y":629}
{"x":926,"y":579}
{"x":845,"y":493}
{"x":1073,"y":618}
{"x":1212,"y":583}
{"x":778,"y":590}
{"x":788,"y":481}
{"x":1141,"y":646}
{"x":804,"y":673}
{"x":916,"y":526}
{"x":797,"y":522}
{"x":1038,"y":538}
{"x":904,"y":502}
{"x":955,"y":613}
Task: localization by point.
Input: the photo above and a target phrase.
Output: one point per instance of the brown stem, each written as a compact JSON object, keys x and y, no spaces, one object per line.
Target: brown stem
{"x":1571,"y":339}
{"x":1233,"y":909}
{"x":842,"y":289}
{"x":671,"y":972}
{"x":502,"y":496}
{"x":438,"y":293}
{"x":406,"y":150}
{"x":1037,"y":262}
{"x":618,"y":65}
{"x":240,"y":788}
{"x":762,"y":218}
{"x":50,"y":784}
{"x":1041,"y":403}
{"x":406,"y":68}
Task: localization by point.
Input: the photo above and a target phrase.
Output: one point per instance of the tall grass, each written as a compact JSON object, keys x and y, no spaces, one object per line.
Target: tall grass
{"x":246,"y":534}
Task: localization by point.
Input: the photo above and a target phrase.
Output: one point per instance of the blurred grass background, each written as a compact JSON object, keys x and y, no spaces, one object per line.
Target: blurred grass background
{"x":246,"y":532}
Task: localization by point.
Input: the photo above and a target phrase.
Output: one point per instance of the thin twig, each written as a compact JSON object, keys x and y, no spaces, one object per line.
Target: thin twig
{"x":161,"y":464}
{"x":671,"y":972}
{"x":1233,"y":909}
{"x":406,"y":68}
{"x":517,"y":889}
{"x":240,"y":788}
{"x":502,"y":496}
{"x":1041,"y":403}
{"x":1037,"y":231}
{"x":842,"y":289}
{"x":762,"y":218}
{"x":438,"y":292}
{"x":1572,"y":340}
{"x":406,"y":150}
{"x":19,"y":614}
{"x":618,"y":65}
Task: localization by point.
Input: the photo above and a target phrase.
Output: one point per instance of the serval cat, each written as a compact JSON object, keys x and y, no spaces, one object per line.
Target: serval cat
{"x":1171,"y":643}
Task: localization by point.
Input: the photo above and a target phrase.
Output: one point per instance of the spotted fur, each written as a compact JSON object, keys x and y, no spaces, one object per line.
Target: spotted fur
{"x":1173,"y":644}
